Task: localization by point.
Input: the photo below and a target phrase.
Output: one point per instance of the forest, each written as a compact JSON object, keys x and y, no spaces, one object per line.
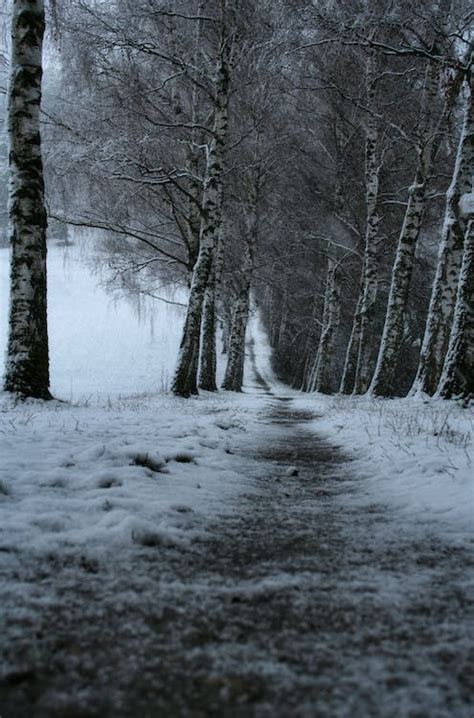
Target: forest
{"x":236,"y":247}
{"x":259,"y":154}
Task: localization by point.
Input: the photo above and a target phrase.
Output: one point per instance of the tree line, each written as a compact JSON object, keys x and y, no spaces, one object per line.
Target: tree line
{"x":310,"y":160}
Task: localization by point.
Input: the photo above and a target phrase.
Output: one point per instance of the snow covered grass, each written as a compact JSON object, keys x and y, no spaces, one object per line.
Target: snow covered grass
{"x":95,"y":479}
{"x":117,"y":465}
{"x":415,"y":456}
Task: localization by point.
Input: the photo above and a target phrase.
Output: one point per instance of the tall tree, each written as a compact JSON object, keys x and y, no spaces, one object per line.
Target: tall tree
{"x":321,"y":379}
{"x":457,"y":378}
{"x":370,"y":267}
{"x":357,"y":366}
{"x":429,"y":138}
{"x":27,"y":365}
{"x":234,"y":373}
{"x":208,"y":357}
{"x":443,"y":296}
{"x":185,"y":379}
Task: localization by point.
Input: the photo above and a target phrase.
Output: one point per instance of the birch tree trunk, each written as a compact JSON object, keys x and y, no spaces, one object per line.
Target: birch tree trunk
{"x":185,"y":379}
{"x":271,"y":298}
{"x":234,"y":373}
{"x":322,"y":377}
{"x":397,"y":303}
{"x":27,"y":364}
{"x":381,"y":384}
{"x":208,"y":363}
{"x":194,"y":159}
{"x":364,"y":367}
{"x":226,"y":327}
{"x":281,"y":330}
{"x":457,"y":378}
{"x":350,"y":362}
{"x":310,"y":345}
{"x":443,"y":297}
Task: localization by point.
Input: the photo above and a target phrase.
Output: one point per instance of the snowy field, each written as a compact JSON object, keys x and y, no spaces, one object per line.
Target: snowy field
{"x":101,"y":346}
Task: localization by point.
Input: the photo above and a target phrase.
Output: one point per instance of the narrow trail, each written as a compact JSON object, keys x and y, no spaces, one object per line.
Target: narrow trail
{"x":296,"y":606}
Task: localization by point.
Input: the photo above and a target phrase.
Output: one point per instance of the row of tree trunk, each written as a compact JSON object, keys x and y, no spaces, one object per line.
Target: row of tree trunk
{"x":196,"y":366}
{"x":446,"y":364}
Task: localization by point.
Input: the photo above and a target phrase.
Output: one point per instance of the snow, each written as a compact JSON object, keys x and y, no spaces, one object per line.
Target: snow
{"x":119,"y":462}
{"x":260,"y":352}
{"x":414,"y":456}
{"x":100,"y":346}
{"x":99,"y":478}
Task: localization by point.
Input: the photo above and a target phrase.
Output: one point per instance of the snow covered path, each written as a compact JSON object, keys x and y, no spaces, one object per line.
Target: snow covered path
{"x":292,"y":604}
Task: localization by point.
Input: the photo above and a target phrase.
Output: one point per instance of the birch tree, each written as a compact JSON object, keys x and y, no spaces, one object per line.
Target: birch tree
{"x":208,"y":357}
{"x":443,"y":297}
{"x":457,"y":378}
{"x":27,"y":364}
{"x":322,"y":377}
{"x":370,"y":266}
{"x":357,"y":368}
{"x":234,"y":373}
{"x":381,"y":384}
{"x":185,"y":379}
{"x":133,"y":119}
{"x":315,"y":326}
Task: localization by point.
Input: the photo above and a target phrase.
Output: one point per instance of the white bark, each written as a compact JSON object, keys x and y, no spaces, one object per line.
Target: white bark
{"x":368,"y":298}
{"x":457,"y":378}
{"x":310,"y":345}
{"x":281,"y":330}
{"x":195,"y":161}
{"x":321,"y":379}
{"x":208,"y":358}
{"x":381,"y":384}
{"x":185,"y":379}
{"x":27,"y":365}
{"x":443,"y":297}
{"x":350,"y":362}
{"x":234,"y":373}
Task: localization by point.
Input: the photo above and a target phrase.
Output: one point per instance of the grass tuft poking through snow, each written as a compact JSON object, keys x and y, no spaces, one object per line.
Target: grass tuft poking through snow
{"x":152,"y":461}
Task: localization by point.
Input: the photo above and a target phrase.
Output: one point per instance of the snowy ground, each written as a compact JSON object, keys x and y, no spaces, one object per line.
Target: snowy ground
{"x":118,"y":463}
{"x":268,"y":554}
{"x":415,"y":456}
{"x":101,"y":345}
{"x":254,"y":579}
{"x":122,"y":463}
{"x":97,"y":479}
